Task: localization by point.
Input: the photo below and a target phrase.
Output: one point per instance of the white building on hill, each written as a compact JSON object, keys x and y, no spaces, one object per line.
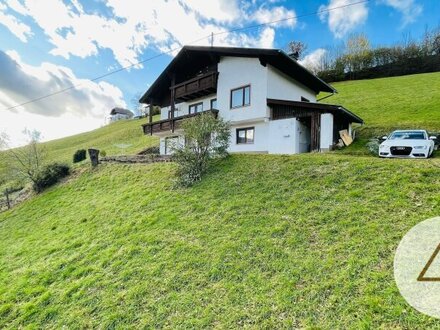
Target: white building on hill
{"x":269,"y":98}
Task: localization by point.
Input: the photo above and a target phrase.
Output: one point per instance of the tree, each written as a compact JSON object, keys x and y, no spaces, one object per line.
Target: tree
{"x":296,"y":49}
{"x":26,"y":162}
{"x":139,"y":108}
{"x":142,"y":109}
{"x":206,"y":138}
{"x":358,"y":52}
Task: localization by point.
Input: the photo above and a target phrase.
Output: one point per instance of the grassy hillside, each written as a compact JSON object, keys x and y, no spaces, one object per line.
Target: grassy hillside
{"x":263,"y":241}
{"x":117,"y":138}
{"x":122,"y":137}
{"x":408,"y":101}
{"x":303,"y":241}
{"x":387,"y":104}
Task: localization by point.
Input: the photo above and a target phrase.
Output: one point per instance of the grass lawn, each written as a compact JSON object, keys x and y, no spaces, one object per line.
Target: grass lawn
{"x":263,"y":242}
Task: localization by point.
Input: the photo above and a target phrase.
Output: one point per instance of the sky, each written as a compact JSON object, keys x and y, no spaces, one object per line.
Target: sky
{"x":47,"y":46}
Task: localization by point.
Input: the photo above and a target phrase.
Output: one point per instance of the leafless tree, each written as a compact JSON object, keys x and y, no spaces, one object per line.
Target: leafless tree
{"x":26,"y":162}
{"x":296,"y":49}
{"x":140,"y":109}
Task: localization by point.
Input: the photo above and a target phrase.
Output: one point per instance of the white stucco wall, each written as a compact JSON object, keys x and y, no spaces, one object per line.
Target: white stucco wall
{"x":261,"y":134}
{"x":282,"y":87}
{"x":326,"y":134}
{"x":182,"y":108}
{"x":237,"y":72}
{"x":180,"y":140}
{"x":282,"y":136}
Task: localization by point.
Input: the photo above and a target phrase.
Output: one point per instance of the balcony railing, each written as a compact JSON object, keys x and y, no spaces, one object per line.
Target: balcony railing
{"x":196,"y":87}
{"x":166,"y":125}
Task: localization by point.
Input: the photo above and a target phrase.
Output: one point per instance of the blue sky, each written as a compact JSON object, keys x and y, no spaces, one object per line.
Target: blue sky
{"x":48,"y":45}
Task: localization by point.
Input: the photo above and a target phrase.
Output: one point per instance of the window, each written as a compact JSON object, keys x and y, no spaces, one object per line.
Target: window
{"x":214,"y":104}
{"x":303,"y":99}
{"x":241,"y":97}
{"x":193,"y":108}
{"x":245,"y":135}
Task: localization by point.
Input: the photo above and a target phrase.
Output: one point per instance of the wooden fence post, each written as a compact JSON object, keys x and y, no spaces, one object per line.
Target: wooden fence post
{"x":8,"y":202}
{"x":94,"y":157}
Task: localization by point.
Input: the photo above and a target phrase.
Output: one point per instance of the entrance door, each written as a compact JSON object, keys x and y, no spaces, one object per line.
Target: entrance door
{"x":310,"y":132}
{"x":315,"y":131}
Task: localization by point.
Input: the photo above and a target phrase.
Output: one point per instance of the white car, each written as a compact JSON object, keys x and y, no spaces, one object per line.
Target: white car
{"x":407,"y":144}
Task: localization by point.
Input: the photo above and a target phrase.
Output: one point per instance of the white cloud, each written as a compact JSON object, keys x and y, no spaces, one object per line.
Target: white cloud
{"x":18,"y":28}
{"x":222,"y":10}
{"x":313,"y":60}
{"x":286,"y":17}
{"x":409,"y":8}
{"x":162,"y":24}
{"x":267,"y":38}
{"x":82,"y":108}
{"x":345,"y":19}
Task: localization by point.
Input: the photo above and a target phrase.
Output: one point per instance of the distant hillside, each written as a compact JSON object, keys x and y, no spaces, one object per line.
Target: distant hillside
{"x":121,"y":137}
{"x":387,"y":103}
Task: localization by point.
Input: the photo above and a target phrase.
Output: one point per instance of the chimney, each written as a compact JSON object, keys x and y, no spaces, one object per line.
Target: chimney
{"x":294,"y":56}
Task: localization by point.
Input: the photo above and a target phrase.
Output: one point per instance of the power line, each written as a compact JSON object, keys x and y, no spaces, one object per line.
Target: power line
{"x":249,"y":27}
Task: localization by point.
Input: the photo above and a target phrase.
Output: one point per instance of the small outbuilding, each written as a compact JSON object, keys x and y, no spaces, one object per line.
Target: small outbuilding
{"x":119,"y":114}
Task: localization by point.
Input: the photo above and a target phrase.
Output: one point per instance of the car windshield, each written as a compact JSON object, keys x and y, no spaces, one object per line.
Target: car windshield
{"x":407,"y":136}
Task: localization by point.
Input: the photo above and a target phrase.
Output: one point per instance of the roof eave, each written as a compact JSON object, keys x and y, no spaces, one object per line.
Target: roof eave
{"x":325,"y":86}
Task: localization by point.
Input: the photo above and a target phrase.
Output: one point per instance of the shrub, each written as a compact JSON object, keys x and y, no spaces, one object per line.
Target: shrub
{"x":79,"y":155}
{"x":206,"y":138}
{"x":49,"y":175}
{"x":103,"y":153}
{"x":373,"y":146}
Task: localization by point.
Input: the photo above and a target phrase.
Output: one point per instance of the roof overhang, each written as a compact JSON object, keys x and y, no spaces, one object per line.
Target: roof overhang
{"x":323,"y":107}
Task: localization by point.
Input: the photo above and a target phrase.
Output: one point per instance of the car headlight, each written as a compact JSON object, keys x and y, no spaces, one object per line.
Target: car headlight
{"x":382,"y":146}
{"x":420,"y":147}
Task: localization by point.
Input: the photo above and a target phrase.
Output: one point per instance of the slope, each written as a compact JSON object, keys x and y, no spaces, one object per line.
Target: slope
{"x":263,"y":241}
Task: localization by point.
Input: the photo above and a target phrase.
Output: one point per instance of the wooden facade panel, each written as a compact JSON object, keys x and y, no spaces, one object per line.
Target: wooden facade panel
{"x":196,"y":87}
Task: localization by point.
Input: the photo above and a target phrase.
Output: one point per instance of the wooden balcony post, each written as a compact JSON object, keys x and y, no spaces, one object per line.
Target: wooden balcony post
{"x":173,"y":105}
{"x":150,"y":114}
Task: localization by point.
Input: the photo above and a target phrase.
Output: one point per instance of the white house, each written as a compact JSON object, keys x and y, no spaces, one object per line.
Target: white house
{"x":118,"y":114}
{"x":268,"y":97}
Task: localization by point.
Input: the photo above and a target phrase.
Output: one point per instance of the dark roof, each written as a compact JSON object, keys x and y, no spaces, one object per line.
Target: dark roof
{"x":185,"y":61}
{"x":331,"y":108}
{"x":121,"y":111}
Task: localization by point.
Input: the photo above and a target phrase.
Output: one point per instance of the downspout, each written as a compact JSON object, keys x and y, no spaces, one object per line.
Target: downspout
{"x":325,"y":97}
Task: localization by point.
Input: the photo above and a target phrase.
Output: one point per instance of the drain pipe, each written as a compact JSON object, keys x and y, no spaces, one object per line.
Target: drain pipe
{"x":325,"y":97}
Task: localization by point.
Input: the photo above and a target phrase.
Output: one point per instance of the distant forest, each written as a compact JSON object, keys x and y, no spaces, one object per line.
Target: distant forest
{"x":357,"y":59}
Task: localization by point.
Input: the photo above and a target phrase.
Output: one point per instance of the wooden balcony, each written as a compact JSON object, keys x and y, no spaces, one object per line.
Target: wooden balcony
{"x":196,"y":87}
{"x":166,"y":125}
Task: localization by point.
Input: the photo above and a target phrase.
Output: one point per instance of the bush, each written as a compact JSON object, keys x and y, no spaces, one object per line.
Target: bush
{"x":206,"y":138}
{"x":103,"y":153}
{"x":79,"y":155}
{"x":373,"y":146}
{"x":49,"y":175}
